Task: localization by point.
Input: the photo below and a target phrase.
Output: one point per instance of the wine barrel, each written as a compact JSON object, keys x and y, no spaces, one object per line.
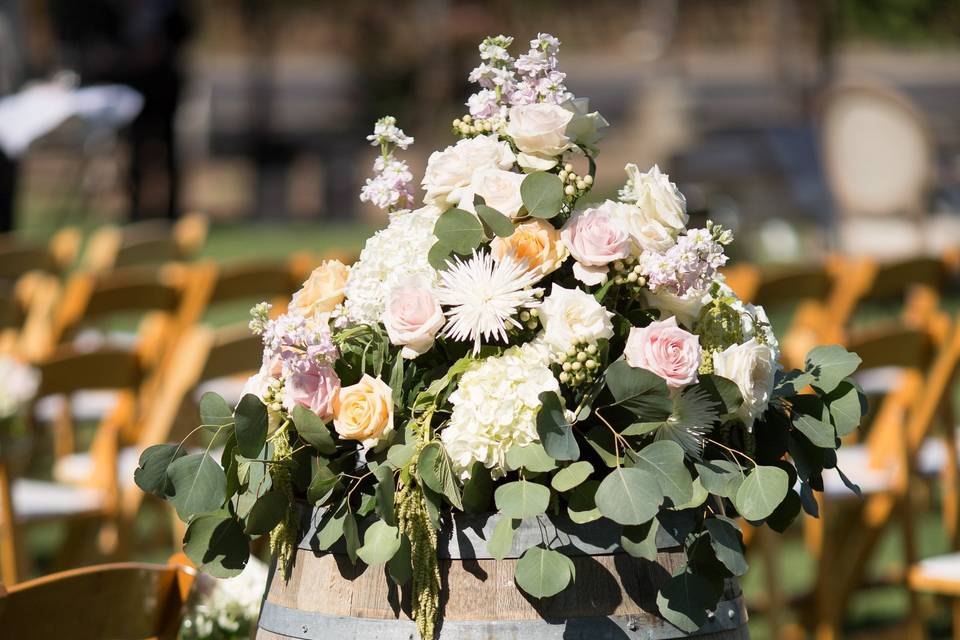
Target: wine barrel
{"x":612,"y":598}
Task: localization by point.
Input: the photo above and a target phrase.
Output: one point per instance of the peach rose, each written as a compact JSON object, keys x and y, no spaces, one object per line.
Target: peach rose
{"x":665,"y":349}
{"x":412,"y":317}
{"x":536,"y":241}
{"x":323,"y":290}
{"x":315,"y":389}
{"x":364,"y":411}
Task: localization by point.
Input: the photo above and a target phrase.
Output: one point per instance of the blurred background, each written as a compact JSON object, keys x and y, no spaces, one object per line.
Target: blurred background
{"x":819,"y":131}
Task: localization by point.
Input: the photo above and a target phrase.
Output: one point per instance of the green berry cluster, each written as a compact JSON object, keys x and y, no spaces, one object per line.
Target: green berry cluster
{"x":574,"y":185}
{"x":627,"y":273}
{"x":579,"y":365}
{"x":273,"y":396}
{"x":468,"y":126}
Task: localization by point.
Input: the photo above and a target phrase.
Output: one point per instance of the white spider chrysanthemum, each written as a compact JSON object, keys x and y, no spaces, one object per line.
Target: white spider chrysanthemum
{"x":484,"y":295}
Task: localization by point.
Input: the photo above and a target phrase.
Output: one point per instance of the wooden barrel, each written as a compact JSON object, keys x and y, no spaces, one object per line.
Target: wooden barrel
{"x":612,"y":598}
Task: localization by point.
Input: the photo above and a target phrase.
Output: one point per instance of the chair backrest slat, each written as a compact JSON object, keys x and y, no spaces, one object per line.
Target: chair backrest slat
{"x":69,"y":371}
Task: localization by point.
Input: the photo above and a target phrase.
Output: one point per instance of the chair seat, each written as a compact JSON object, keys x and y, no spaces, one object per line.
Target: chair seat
{"x":939,"y":574}
{"x":77,"y":468}
{"x":35,"y":500}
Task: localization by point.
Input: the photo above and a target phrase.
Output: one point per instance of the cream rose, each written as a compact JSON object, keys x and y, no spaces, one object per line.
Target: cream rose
{"x":499,"y":189}
{"x":571,"y":317}
{"x":536,"y":241}
{"x":685,"y":308}
{"x":648,"y":235}
{"x":450,"y":171}
{"x":753,"y":366}
{"x":412,"y":317}
{"x":323,"y":290}
{"x":364,"y":411}
{"x":595,"y":240}
{"x":665,"y":349}
{"x":657,"y":197}
{"x":539,"y":131}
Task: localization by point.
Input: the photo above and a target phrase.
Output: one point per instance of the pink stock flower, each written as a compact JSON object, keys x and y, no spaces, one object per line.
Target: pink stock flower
{"x":665,"y":349}
{"x":595,"y":240}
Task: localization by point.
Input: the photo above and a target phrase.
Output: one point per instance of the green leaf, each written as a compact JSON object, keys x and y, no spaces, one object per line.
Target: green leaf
{"x":720,"y":477}
{"x":231,"y":466}
{"x":727,"y":542}
{"x":322,"y":486}
{"x":351,"y":536}
{"x":722,"y":391}
{"x":640,"y":540}
{"x":830,"y":364}
{"x":531,"y":457}
{"x":400,"y":454}
{"x":847,"y":405}
{"x":251,"y":425}
{"x":460,"y":230}
{"x":332,"y":529}
{"x":784,"y":515}
{"x":542,"y":194}
{"x":436,"y":471}
{"x":582,"y":502}
{"x":498,"y":223}
{"x":266,"y":513}
{"x":216,"y":544}
{"x":522,"y":499}
{"x":386,"y":487}
{"x":639,"y":391}
{"x":629,"y":496}
{"x":478,"y":490}
{"x":569,"y":477}
{"x":399,"y":567}
{"x":214,"y":411}
{"x":764,"y":488}
{"x":664,"y":459}
{"x":501,"y":540}
{"x":542,"y":573}
{"x":700,"y":496}
{"x":380,"y":543}
{"x":396,"y":381}
{"x":685,"y":599}
{"x":199,"y":485}
{"x":556,"y":434}
{"x":812,"y":419}
{"x":151,"y":475}
{"x":312,"y":429}
{"x":438,"y":255}
{"x":600,"y":440}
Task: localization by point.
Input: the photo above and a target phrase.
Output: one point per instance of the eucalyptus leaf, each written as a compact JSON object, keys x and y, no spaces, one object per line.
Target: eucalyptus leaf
{"x":322,"y":486}
{"x":380,"y":542}
{"x":685,"y":599}
{"x":601,"y":441}
{"x":351,"y":536}
{"x":501,"y":540}
{"x":499,"y":224}
{"x":216,"y":543}
{"x":727,"y":542}
{"x":251,"y":425}
{"x":556,"y":434}
{"x":313,"y":430}
{"x":531,"y":457}
{"x":640,"y":541}
{"x":438,"y":255}
{"x":542,"y":573}
{"x":582,"y":502}
{"x":384,"y":492}
{"x":847,"y":405}
{"x":214,"y":411}
{"x":569,"y":477}
{"x":720,"y":477}
{"x":151,"y":474}
{"x":629,"y":496}
{"x":761,"y":492}
{"x":830,"y":364}
{"x":266,"y":513}
{"x":400,"y":567}
{"x":542,"y":194}
{"x":723,"y":391}
{"x":664,"y":459}
{"x":643,"y":393}
{"x":522,"y":499}
{"x":460,"y":230}
{"x":199,"y":485}
{"x":812,"y":418}
{"x":478,"y":490}
{"x":331,"y":530}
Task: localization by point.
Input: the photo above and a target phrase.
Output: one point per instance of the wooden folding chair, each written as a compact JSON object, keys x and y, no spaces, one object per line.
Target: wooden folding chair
{"x":144,"y":243}
{"x":91,"y":502}
{"x":939,"y":576}
{"x":19,"y":256}
{"x":926,"y":362}
{"x":129,"y":600}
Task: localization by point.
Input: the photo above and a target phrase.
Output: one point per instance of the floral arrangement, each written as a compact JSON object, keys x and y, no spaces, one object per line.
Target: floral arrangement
{"x":515,"y":346}
{"x":226,"y":609}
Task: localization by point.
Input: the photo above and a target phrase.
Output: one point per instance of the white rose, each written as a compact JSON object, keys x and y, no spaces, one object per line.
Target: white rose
{"x":450,"y":171}
{"x":586,"y":127}
{"x":539,"y":131}
{"x":412,"y":317}
{"x":499,"y":189}
{"x":571,"y":317}
{"x":686,"y":307}
{"x":657,"y":197}
{"x":752,"y":366}
{"x":755,"y":321}
{"x":647,"y":234}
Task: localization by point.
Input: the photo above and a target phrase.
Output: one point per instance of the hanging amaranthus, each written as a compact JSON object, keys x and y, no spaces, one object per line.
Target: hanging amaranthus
{"x":283,"y":537}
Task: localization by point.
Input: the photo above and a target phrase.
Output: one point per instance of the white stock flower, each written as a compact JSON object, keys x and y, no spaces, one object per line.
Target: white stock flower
{"x":18,"y":385}
{"x":499,"y":189}
{"x":571,"y":317}
{"x":389,"y":257}
{"x":658,"y":198}
{"x":752,"y":366}
{"x":450,"y":171}
{"x":484,"y":295}
{"x":539,"y":131}
{"x":495,"y":407}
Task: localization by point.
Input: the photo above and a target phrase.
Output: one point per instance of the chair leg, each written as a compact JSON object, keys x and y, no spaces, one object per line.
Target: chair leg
{"x":775,"y":599}
{"x":955,"y":610}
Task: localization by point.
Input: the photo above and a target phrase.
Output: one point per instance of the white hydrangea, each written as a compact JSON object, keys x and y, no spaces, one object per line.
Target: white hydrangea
{"x":495,"y":407}
{"x":391,"y":256}
{"x":18,"y":385}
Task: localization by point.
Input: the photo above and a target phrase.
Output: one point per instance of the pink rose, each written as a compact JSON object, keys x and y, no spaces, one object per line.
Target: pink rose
{"x":665,"y":349}
{"x":315,"y":389}
{"x":595,"y":240}
{"x":412,"y":317}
